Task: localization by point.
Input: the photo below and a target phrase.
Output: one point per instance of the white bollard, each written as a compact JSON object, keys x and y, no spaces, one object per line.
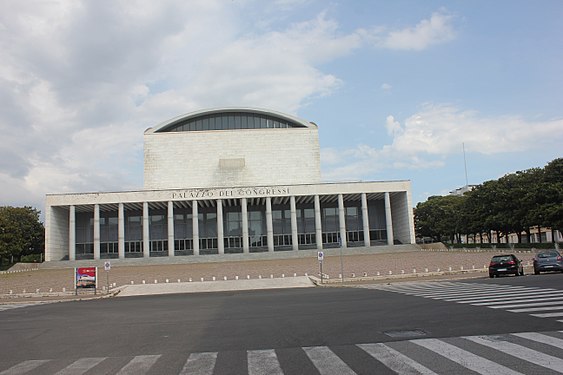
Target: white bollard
{"x":426,"y":270}
{"x":390,"y":272}
{"x":11,"y":291}
{"x":294,"y":275}
{"x":340,"y":276}
{"x":248,"y":277}
{"x":283,"y":275}
{"x":143,"y":282}
{"x":473,"y":266}
{"x":306,"y":274}
{"x":24,"y":291}
{"x":36,"y":290}
{"x":156,"y":281}
{"x":259,"y":276}
{"x":438,"y":270}
{"x":50,"y":290}
{"x":402,"y":272}
{"x":365,"y":274}
{"x":271,"y":276}
{"x":225,"y":278}
{"x":202,"y":279}
{"x":64,"y":290}
{"x":450,"y":269}
{"x":132,"y":282}
{"x":378,"y":273}
{"x":190,"y":280}
{"x":213,"y":278}
{"x":167,"y":281}
{"x":236,"y":277}
{"x":414,"y":270}
{"x":181,"y":280}
{"x":461,"y":268}
{"x":353,"y":274}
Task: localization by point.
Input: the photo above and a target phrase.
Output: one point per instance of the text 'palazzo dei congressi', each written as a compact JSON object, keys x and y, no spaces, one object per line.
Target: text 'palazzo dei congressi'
{"x":227,"y":181}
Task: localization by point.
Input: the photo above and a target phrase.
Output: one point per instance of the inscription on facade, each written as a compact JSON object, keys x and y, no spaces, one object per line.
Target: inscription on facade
{"x":229,"y":193}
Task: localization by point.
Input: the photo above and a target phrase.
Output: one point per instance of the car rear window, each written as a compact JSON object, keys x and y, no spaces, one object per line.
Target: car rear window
{"x":548,"y":254}
{"x":502,"y":258}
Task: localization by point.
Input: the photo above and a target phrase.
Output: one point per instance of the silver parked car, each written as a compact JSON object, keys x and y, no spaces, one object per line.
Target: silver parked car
{"x":548,"y":260}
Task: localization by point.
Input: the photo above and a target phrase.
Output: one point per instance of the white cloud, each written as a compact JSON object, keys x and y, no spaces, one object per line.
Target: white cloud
{"x":81,"y":81}
{"x":428,"y":137}
{"x":386,"y":87}
{"x":438,"y":29}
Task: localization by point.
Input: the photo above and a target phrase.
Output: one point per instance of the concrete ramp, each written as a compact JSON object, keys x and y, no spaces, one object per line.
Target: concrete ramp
{"x":215,"y":286}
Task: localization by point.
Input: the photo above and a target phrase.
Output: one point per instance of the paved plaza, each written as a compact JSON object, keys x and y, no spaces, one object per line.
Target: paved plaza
{"x":56,"y":283}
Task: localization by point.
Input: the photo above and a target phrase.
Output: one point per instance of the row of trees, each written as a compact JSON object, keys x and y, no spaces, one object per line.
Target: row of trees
{"x":515,"y":203}
{"x":21,"y":233}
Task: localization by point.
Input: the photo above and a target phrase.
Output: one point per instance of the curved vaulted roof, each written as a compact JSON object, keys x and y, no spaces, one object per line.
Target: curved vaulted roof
{"x":230,"y":118}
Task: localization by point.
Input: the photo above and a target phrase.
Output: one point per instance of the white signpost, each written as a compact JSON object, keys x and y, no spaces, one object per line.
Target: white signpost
{"x":320,"y":258}
{"x":107,"y":267}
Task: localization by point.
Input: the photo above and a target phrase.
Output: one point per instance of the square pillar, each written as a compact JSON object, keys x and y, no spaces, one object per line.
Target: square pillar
{"x":195,"y":227}
{"x":365,"y":220}
{"x":71,"y":233}
{"x":146,"y":232}
{"x":244,"y":211}
{"x":342,"y":221}
{"x":220,"y":230}
{"x":121,"y":231}
{"x":294,"y":233}
{"x":388,"y":219}
{"x":318,"y":223}
{"x":170,"y":223}
{"x":96,"y":231}
{"x":269,"y":224}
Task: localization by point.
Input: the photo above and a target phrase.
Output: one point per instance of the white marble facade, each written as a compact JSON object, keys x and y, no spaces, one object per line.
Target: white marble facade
{"x":254,"y":188}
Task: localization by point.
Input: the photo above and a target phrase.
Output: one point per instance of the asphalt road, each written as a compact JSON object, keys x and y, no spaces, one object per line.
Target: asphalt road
{"x":244,"y":329}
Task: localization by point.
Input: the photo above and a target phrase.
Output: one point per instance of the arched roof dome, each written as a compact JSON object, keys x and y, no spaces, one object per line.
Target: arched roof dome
{"x":230,"y":118}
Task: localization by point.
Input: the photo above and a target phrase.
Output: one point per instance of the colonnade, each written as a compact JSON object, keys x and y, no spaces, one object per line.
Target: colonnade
{"x":219,"y":203}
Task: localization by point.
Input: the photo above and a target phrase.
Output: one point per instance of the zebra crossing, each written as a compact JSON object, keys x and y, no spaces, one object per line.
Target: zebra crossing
{"x":516,"y":353}
{"x":535,"y":301}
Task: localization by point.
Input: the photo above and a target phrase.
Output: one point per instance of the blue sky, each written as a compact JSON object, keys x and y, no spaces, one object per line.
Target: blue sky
{"x":396,"y":87}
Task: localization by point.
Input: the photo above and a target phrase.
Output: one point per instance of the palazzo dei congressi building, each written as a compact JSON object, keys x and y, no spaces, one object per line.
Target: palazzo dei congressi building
{"x":225,"y":181}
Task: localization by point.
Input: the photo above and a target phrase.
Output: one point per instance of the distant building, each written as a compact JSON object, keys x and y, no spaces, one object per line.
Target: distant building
{"x":462,"y":190}
{"x":228,"y":180}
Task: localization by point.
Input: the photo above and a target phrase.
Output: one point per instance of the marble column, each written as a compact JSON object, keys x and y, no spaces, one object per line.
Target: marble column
{"x":388,"y":219}
{"x":294,"y":233}
{"x":365,"y":220}
{"x":342,"y":221}
{"x":195,"y":227}
{"x":170,"y":223}
{"x":244,"y":210}
{"x":96,"y":231}
{"x":121,"y":231}
{"x":71,"y":233}
{"x":269,"y":224}
{"x":318,"y":223}
{"x":146,"y":232}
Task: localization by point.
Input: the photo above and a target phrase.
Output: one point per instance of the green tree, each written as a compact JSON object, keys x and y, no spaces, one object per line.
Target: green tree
{"x":440,"y":218}
{"x":21,"y":232}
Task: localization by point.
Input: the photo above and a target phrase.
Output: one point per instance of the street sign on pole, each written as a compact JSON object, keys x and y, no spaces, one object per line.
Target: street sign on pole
{"x":320,"y":257}
{"x":107,"y":267}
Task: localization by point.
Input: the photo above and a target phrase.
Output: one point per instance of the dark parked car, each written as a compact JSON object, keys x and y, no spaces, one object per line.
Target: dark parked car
{"x":548,"y":260}
{"x":505,"y":264}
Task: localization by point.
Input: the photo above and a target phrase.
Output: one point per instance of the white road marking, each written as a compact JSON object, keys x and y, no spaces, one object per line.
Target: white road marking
{"x":464,"y":358}
{"x":139,"y":365}
{"x":24,"y":367}
{"x":80,"y":366}
{"x":533,"y":309}
{"x":521,"y":352}
{"x":199,"y":364}
{"x":395,"y":360}
{"x":263,"y":362}
{"x":327,"y":362}
{"x":540,"y":337}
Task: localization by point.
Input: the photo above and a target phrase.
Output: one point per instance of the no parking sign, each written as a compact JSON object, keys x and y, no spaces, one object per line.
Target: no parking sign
{"x":320,"y":256}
